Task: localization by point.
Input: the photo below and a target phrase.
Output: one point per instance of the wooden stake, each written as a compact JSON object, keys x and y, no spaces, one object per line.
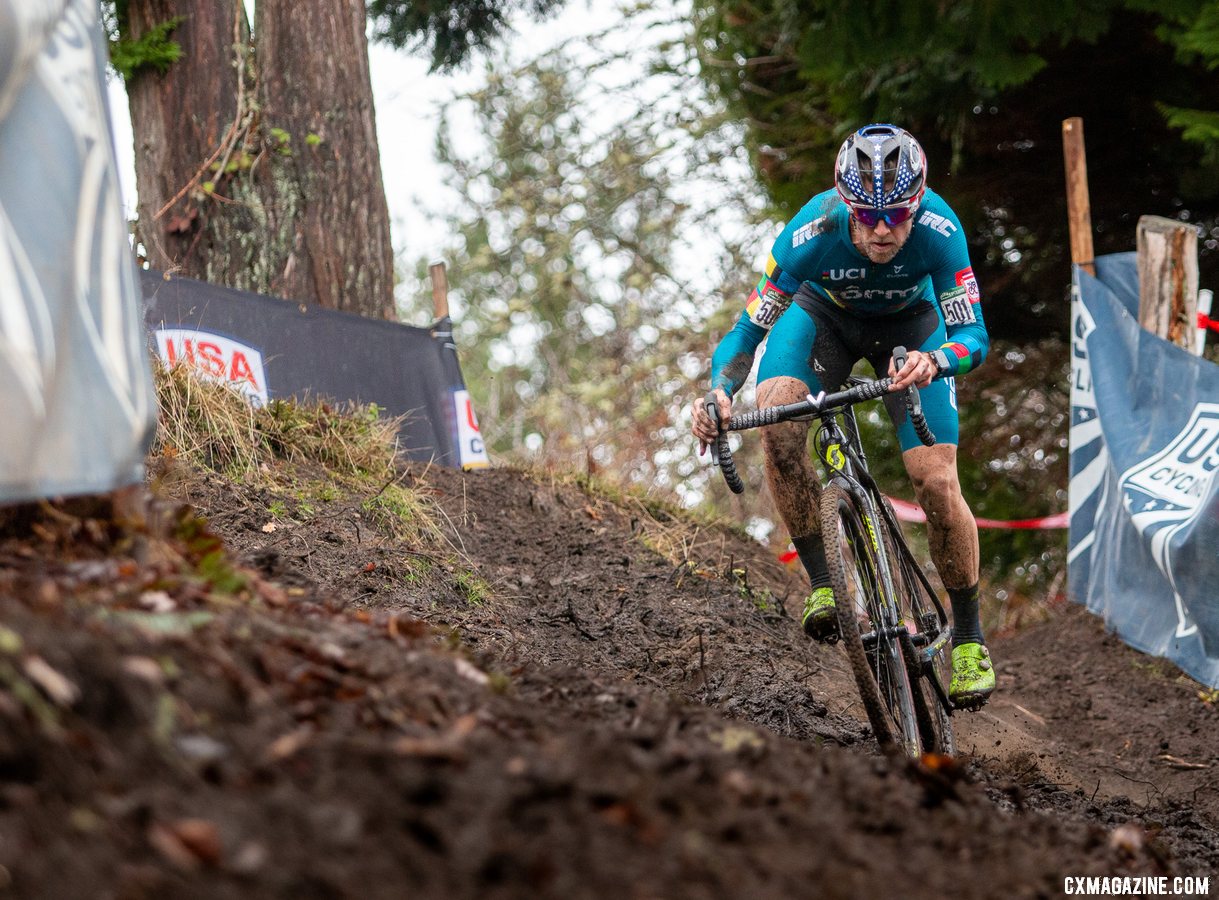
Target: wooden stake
{"x":1168,"y":279}
{"x":1079,"y":210}
{"x":440,"y":289}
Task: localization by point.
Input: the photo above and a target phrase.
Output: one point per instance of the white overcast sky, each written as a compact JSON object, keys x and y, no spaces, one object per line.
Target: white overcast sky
{"x":407,"y":100}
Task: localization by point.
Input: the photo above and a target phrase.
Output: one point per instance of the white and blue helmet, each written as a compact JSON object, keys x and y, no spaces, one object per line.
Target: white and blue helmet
{"x":886,"y":151}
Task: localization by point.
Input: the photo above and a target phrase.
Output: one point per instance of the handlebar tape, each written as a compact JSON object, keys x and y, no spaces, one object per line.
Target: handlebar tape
{"x":721,"y":453}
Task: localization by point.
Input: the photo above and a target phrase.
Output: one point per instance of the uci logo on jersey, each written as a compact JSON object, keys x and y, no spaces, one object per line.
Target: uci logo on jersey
{"x":843,"y":274}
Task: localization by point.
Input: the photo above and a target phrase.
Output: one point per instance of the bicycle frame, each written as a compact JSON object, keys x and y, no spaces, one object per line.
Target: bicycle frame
{"x":900,"y":650}
{"x":840,"y":448}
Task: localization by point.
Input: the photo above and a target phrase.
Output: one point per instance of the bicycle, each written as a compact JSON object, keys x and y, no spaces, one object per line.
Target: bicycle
{"x":895,"y":629}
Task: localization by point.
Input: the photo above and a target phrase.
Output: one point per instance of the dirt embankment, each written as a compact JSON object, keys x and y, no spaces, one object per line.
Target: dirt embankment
{"x":591,"y":703}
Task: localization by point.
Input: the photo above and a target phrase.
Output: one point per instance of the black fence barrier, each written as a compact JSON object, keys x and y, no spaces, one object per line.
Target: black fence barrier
{"x":270,"y":348}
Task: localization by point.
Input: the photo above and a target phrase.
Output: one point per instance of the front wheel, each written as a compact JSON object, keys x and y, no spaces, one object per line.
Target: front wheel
{"x":930,"y":668}
{"x":868,"y":619}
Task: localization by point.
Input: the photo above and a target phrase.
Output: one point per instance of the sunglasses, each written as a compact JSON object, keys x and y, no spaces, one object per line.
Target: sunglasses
{"x":869,"y":217}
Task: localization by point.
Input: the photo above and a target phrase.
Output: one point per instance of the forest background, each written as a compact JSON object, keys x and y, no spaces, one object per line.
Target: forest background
{"x":615,"y":197}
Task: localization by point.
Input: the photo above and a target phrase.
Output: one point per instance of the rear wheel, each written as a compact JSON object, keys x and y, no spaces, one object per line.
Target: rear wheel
{"x":869,"y":624}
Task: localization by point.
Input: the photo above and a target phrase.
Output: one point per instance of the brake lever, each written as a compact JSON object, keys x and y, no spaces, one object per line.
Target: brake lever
{"x":713,"y":410}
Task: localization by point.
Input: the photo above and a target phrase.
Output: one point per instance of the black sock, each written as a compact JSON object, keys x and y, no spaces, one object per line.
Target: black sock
{"x":812,"y":553}
{"x":966,"y":627}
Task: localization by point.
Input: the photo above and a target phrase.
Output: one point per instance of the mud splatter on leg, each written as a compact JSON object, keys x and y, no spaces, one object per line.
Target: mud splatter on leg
{"x":793,"y":481}
{"x":952,"y":533}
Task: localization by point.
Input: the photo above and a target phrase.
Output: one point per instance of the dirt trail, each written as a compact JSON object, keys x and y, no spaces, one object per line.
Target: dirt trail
{"x":577,"y":718}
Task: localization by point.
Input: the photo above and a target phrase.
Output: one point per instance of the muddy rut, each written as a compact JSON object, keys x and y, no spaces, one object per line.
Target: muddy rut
{"x":581,"y":708}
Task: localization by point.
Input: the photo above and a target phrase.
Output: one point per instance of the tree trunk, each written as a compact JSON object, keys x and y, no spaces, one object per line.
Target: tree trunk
{"x":315,"y":86}
{"x":278,"y":151}
{"x":178,"y":120}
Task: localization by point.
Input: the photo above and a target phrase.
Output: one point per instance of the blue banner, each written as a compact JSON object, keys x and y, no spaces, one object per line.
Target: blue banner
{"x":1144,"y":498}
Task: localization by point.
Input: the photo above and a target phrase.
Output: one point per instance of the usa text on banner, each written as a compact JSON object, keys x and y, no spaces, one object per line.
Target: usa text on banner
{"x":1144,"y":496}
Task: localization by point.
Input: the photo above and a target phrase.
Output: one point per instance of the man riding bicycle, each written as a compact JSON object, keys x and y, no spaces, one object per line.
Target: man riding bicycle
{"x":878,"y":262}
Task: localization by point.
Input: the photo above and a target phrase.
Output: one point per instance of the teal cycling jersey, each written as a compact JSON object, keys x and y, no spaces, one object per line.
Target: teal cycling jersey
{"x":814,"y":256}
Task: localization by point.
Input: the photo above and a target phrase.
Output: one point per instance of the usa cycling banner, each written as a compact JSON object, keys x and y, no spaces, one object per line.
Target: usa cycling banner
{"x":1144,"y":497}
{"x":269,"y":348}
{"x":77,"y":405}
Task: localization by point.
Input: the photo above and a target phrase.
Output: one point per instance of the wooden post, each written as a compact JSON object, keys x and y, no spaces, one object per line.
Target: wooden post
{"x":440,"y":289}
{"x":1168,"y":279}
{"x":1079,"y":210}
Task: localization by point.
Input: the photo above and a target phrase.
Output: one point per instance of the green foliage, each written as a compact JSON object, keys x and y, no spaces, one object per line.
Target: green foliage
{"x":473,"y":589}
{"x":153,"y":50}
{"x":581,"y":339}
{"x":584,"y":336}
{"x":450,"y":30}
{"x":985,"y":84}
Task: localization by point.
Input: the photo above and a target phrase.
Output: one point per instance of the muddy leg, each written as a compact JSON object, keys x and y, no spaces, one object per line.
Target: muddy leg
{"x":792,"y":479}
{"x":952,"y":534}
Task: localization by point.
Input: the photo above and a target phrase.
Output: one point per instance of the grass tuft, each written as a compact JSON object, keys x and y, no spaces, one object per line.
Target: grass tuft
{"x":214,"y":426}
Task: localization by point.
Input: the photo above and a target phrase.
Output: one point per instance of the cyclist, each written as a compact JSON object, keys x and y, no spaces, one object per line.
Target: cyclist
{"x":877,"y":262}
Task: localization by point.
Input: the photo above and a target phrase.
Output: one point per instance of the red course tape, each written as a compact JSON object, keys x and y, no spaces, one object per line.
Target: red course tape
{"x":912,"y":512}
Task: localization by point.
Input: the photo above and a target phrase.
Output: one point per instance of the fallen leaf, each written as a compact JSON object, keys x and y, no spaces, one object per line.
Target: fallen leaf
{"x":470,"y":672}
{"x":201,"y":837}
{"x":271,"y":594}
{"x":269,"y":527}
{"x":158,"y":601}
{"x":733,"y":739}
{"x":10,"y":641}
{"x":187,"y":842}
{"x":144,"y":668}
{"x":170,"y":846}
{"x":1128,"y":838}
{"x":446,"y":746}
{"x":53,"y":684}
{"x":288,"y":745}
{"x":172,"y":624}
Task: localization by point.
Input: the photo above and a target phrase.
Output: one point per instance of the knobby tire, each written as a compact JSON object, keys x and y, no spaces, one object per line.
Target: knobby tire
{"x":935,"y":726}
{"x":854,"y":568}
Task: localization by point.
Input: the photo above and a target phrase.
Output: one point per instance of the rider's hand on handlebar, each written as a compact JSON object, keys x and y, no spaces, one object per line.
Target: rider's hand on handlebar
{"x":703,"y":427}
{"x":919,"y":370}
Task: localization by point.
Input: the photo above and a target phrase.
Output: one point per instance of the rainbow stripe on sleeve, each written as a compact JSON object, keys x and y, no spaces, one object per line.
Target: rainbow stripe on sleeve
{"x":966,"y":359}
